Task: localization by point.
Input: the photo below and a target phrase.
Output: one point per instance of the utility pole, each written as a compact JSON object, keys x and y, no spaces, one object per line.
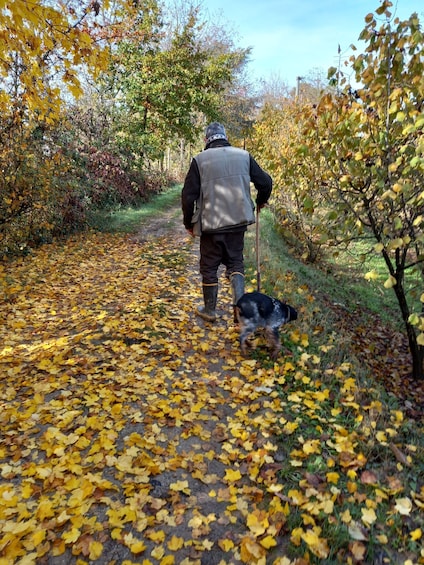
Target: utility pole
{"x":298,"y":81}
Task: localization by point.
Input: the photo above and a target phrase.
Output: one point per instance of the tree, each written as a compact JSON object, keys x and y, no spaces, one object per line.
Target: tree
{"x":298,"y":168}
{"x":372,"y":141}
{"x":351,"y":166}
{"x":313,"y":86}
{"x":296,"y":173}
{"x":43,"y":47}
{"x":171,"y":79}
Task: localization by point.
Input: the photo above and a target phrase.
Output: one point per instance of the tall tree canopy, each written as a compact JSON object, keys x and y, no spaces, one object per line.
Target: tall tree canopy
{"x":170,"y":79}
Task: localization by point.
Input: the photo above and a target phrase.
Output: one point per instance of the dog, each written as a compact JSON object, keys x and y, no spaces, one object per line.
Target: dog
{"x":256,"y":310}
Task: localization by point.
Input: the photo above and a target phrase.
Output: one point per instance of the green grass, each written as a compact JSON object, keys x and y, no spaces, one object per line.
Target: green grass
{"x":339,"y":281}
{"x":128,"y":219}
{"x":352,"y":265}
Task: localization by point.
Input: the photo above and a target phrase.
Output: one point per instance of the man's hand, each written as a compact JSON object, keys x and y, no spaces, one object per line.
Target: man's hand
{"x":190,"y":231}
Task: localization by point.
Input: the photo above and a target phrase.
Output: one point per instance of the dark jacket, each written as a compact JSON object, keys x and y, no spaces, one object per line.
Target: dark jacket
{"x":231,"y":212}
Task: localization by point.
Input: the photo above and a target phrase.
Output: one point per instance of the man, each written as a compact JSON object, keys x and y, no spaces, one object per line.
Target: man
{"x":217,"y":205}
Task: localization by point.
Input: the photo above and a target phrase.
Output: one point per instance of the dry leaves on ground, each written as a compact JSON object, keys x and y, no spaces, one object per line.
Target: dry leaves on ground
{"x":132,"y":432}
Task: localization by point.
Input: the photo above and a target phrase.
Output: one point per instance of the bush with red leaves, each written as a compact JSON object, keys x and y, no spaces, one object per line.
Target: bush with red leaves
{"x":111,"y":182}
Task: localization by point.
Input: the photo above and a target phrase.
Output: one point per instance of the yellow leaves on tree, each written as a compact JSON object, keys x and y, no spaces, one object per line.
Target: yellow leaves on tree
{"x":38,"y":35}
{"x":41,"y":40}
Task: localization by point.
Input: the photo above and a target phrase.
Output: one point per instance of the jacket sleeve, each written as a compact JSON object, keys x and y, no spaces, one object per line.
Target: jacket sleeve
{"x":262,"y":182}
{"x":190,"y":193}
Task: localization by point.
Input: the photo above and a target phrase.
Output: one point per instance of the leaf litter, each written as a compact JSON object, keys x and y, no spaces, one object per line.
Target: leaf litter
{"x":133,"y":432}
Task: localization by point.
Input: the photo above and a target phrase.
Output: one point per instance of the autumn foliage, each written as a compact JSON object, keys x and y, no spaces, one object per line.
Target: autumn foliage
{"x":131,"y":431}
{"x":95,"y":97}
{"x":350,"y":166}
{"x":41,"y":47}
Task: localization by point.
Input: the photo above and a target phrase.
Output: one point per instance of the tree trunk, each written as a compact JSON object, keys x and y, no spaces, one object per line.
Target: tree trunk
{"x":416,"y":350}
{"x":418,"y":361}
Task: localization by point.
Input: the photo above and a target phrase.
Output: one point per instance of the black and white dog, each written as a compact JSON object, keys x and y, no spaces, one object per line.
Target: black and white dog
{"x":256,"y":310}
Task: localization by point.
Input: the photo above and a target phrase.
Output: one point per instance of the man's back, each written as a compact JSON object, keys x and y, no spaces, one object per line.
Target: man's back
{"x":225,"y":186}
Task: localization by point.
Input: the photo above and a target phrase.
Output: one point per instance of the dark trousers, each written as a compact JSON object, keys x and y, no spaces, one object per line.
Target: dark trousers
{"x":224,"y":248}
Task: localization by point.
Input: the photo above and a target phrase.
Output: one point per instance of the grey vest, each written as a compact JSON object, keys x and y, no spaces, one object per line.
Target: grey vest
{"x":225,"y":186}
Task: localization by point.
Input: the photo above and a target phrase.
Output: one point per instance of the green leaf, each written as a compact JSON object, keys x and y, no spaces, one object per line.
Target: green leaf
{"x":390,"y":282}
{"x":331,"y":71}
{"x":414,"y":319}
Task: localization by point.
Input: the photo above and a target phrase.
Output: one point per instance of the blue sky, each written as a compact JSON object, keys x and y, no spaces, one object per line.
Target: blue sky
{"x":290,"y":38}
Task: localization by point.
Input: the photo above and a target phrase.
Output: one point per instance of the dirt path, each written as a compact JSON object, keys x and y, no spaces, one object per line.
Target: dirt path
{"x":133,"y":432}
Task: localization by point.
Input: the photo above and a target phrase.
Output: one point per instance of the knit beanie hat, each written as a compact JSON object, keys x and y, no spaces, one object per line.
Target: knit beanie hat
{"x":215,"y":131}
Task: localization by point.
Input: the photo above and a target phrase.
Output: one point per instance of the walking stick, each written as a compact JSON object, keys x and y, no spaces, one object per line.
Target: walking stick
{"x":258,"y":266}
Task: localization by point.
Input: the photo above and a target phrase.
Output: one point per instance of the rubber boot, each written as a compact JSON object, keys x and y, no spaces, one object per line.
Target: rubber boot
{"x":210,"y":296}
{"x":237,"y":283}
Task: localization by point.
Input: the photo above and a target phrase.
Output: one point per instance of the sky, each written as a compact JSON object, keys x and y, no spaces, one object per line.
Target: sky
{"x":292,"y":38}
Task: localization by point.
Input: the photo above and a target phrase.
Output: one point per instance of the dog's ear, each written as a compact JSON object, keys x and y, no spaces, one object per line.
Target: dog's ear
{"x":292,"y":314}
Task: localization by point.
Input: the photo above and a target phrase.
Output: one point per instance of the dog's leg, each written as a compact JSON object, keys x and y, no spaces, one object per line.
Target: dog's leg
{"x":273,"y":339}
{"x":246,"y":329}
{"x":244,"y":342}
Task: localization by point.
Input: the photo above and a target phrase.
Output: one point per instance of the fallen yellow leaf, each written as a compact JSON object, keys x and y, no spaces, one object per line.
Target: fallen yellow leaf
{"x":232,"y":475}
{"x":403,"y":506}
